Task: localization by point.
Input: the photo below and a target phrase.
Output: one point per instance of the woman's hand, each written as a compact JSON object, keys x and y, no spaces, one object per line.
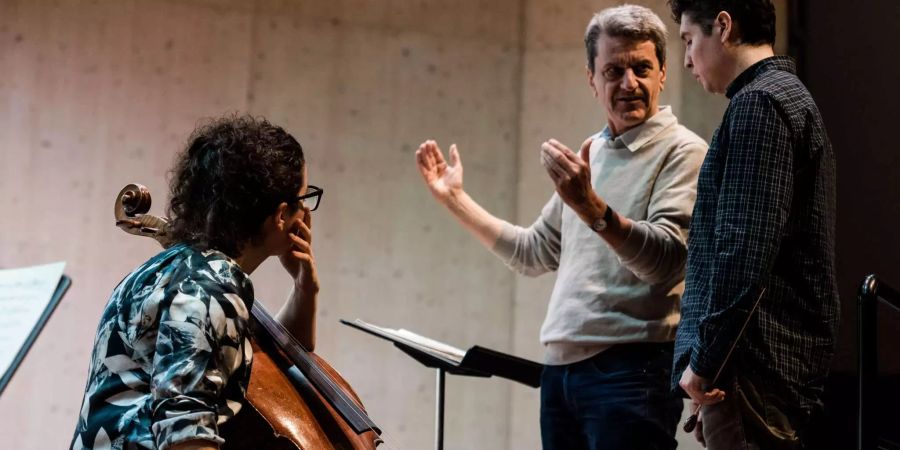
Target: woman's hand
{"x":298,"y":259}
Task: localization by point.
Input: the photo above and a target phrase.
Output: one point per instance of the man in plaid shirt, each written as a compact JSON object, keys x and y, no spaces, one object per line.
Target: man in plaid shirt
{"x":762,"y":231}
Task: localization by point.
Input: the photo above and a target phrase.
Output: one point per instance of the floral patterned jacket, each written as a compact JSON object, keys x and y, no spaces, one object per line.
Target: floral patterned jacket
{"x":171,"y":359}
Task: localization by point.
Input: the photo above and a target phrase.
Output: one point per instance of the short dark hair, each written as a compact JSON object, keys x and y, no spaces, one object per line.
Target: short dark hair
{"x":755,"y":18}
{"x":233,"y":174}
{"x":633,"y":22}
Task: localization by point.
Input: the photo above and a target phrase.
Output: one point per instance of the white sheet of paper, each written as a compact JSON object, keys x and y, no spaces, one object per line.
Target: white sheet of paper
{"x":24,"y":294}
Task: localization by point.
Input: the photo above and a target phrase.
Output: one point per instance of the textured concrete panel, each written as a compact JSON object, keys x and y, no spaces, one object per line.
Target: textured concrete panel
{"x":99,"y":94}
{"x":366,"y":97}
{"x":95,"y":96}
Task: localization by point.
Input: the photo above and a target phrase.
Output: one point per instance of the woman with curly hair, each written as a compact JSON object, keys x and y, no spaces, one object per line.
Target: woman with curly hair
{"x":171,"y":358}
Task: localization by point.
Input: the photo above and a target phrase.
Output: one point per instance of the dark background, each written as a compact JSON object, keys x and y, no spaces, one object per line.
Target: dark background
{"x":849,"y":57}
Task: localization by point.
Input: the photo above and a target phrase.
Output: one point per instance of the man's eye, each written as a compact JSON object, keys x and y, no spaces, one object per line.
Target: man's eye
{"x":612,"y":73}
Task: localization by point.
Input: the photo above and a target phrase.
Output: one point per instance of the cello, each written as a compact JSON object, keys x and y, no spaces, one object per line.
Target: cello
{"x":295,"y":400}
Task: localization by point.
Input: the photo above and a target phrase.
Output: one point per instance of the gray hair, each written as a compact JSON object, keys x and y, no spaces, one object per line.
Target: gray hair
{"x":629,"y":21}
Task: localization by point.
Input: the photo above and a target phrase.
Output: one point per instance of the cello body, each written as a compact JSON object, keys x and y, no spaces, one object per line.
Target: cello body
{"x":279,"y":416}
{"x":284,"y":409}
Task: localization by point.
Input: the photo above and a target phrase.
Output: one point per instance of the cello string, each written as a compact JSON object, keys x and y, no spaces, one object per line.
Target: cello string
{"x":278,"y":329}
{"x":273,"y":326}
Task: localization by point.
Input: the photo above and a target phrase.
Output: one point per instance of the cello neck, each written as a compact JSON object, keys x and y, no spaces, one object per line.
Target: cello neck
{"x":349,"y":410}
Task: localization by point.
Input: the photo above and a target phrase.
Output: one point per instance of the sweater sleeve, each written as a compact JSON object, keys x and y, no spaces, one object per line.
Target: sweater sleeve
{"x":656,"y":249}
{"x":534,"y":250}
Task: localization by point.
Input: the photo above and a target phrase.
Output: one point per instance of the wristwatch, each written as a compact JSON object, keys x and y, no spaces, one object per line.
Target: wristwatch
{"x":601,"y":223}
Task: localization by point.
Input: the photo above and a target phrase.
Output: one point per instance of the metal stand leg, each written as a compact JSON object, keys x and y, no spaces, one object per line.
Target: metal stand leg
{"x":439,"y":412}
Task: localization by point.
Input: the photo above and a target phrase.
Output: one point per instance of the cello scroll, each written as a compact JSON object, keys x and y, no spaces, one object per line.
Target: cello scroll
{"x":132,"y":205}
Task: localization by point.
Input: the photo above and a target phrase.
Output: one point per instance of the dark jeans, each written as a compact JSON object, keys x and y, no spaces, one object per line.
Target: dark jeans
{"x":618,"y":400}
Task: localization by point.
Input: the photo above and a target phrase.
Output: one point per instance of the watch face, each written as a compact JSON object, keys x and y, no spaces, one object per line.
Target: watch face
{"x":599,"y":225}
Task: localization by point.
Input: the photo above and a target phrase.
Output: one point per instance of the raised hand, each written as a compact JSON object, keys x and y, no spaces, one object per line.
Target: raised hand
{"x":571,"y":173}
{"x":298,"y":260}
{"x":444,"y":180}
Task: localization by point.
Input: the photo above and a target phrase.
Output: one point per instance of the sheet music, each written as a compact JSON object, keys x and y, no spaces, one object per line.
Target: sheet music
{"x":24,"y":295}
{"x":476,"y":361}
{"x":456,"y":353}
{"x":445,"y":350}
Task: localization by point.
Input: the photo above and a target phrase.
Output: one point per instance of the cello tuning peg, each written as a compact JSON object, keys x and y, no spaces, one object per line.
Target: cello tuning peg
{"x":149,"y":230}
{"x":130,"y":223}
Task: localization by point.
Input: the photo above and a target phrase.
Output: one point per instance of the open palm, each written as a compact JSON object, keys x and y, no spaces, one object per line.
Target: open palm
{"x":443,"y":179}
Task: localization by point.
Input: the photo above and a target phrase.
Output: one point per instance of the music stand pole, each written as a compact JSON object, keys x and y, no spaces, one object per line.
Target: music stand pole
{"x":439,"y":411}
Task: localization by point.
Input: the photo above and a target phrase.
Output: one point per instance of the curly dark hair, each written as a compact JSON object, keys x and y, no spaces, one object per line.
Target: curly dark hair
{"x":233,"y":174}
{"x":755,"y":18}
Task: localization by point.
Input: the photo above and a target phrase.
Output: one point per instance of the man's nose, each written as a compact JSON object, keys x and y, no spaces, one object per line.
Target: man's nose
{"x":688,"y":63}
{"x":629,"y":81}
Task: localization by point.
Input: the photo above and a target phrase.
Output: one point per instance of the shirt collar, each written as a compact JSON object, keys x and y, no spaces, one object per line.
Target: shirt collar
{"x":636,"y":137}
{"x":784,"y":63}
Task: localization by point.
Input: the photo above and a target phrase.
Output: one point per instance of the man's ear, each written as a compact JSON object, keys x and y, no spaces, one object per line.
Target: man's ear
{"x":662,"y":77}
{"x":726,"y":26}
{"x":590,"y":75}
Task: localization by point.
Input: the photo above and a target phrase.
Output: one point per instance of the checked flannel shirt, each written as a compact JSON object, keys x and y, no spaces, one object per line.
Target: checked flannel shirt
{"x":764,"y":218}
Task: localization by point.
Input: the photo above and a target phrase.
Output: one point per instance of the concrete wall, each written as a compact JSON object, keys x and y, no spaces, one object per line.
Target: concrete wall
{"x":99,"y":94}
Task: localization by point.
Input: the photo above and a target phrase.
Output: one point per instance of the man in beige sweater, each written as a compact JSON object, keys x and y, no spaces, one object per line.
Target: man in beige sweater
{"x":615,"y":233}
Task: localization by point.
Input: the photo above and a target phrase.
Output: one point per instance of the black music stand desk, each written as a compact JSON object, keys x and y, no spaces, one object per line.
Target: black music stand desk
{"x":477,"y":362}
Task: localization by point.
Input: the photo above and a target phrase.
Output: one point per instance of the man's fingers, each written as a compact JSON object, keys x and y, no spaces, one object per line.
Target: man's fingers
{"x":553,"y":168}
{"x":568,"y":160}
{"x":565,"y":151}
{"x":562,"y":161}
{"x":429,"y":154}
{"x":706,"y":398}
{"x":559,"y":145}
{"x":586,"y":151}
{"x":436,"y":153}
{"x":421,"y":157}
{"x":556,"y":174}
{"x":713,"y":396}
{"x":427,"y":157}
{"x":454,"y":156}
{"x":425,"y":165}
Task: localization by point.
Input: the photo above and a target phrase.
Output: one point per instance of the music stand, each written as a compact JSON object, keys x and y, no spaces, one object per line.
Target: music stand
{"x":477,"y":362}
{"x":61,"y":289}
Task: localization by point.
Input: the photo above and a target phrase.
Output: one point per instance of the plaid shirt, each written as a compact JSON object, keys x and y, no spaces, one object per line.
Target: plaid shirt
{"x":764,"y":218}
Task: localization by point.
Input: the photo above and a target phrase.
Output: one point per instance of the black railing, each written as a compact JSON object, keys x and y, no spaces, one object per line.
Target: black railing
{"x":870,"y":292}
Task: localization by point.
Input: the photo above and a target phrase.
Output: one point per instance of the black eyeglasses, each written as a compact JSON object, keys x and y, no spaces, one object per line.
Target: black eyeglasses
{"x":311,"y":198}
